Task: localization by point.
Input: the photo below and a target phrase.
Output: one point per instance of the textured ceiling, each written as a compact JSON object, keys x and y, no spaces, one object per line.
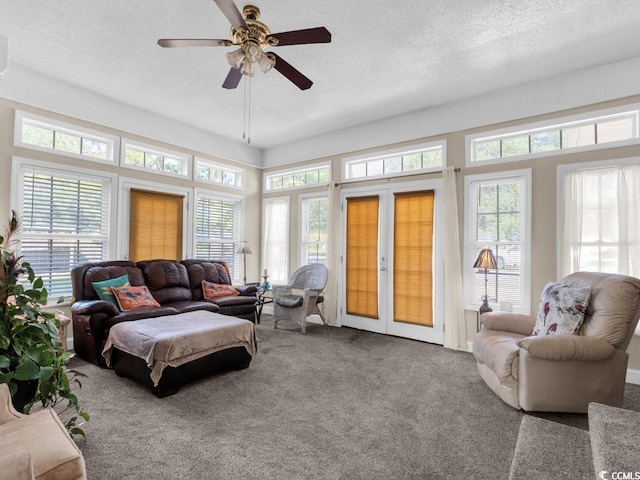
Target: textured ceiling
{"x":386,"y":58}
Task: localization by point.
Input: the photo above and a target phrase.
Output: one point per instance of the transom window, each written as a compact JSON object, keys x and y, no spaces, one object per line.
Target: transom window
{"x":559,"y":136}
{"x":35,"y":132}
{"x":422,"y":158}
{"x":145,"y":157}
{"x":207,"y":171}
{"x":300,"y":178}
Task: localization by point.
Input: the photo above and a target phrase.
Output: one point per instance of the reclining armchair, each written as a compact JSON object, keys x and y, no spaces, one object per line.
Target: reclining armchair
{"x":36,"y":446}
{"x":563,"y":373}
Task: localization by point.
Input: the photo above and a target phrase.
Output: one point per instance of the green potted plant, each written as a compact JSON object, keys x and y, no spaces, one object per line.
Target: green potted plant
{"x":32,"y":362}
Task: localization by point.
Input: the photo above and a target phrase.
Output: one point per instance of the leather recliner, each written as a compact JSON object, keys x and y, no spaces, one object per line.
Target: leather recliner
{"x":563,"y":373}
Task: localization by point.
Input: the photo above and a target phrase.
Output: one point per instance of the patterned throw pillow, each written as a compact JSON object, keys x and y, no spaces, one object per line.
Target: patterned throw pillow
{"x":130,"y":298}
{"x":212,"y":290}
{"x":562,"y":309}
{"x":103,"y":288}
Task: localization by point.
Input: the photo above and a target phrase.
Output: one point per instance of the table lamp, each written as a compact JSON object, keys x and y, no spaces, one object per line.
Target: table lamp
{"x":244,"y":250}
{"x":487,"y":261}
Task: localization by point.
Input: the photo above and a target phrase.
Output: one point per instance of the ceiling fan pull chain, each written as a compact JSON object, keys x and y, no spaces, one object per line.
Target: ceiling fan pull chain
{"x":249,"y":119}
{"x":244,"y":117}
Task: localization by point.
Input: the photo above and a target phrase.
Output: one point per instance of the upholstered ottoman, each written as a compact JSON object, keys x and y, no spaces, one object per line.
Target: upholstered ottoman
{"x":166,"y":352}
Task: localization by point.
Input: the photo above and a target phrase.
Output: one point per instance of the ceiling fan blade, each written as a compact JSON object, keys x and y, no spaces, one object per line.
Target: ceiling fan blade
{"x":286,"y":69}
{"x":308,"y":35}
{"x":193,"y":42}
{"x":233,"y":78}
{"x":231,"y":12}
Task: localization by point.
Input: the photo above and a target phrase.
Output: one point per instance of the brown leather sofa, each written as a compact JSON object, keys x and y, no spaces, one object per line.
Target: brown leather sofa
{"x":176,"y":286}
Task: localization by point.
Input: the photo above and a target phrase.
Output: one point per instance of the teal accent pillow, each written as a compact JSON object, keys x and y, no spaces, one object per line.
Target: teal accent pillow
{"x":103,"y":288}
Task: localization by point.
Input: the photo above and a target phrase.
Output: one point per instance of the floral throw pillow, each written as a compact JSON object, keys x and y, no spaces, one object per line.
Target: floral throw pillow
{"x":130,"y":298}
{"x":212,"y":290}
{"x":103,"y":288}
{"x":562,"y":309}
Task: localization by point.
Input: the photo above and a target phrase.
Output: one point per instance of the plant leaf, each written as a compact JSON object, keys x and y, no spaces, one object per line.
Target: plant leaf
{"x":27,"y":370}
{"x":4,"y":361}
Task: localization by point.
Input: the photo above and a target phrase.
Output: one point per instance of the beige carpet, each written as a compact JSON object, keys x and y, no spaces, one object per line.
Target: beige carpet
{"x":335,"y":403}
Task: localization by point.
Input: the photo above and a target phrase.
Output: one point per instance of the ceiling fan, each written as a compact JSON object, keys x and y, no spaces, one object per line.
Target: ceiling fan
{"x":253,"y":36}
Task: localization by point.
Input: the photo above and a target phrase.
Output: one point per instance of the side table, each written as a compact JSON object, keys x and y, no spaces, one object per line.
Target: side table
{"x":264,"y":297}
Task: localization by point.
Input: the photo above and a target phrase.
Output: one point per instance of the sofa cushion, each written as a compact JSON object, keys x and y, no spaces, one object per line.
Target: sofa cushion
{"x":562,"y":309}
{"x":138,"y":314}
{"x":167,"y":280}
{"x":53,"y":454}
{"x":103,"y":288}
{"x":212,"y":290}
{"x":199,"y":270}
{"x":83,"y":287}
{"x":132,"y":298}
{"x":191,"y":306}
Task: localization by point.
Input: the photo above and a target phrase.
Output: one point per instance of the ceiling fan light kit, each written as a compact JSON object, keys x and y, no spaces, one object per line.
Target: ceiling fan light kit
{"x":252,"y":37}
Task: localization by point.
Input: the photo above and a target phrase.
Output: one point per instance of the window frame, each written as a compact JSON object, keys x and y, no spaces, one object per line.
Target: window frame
{"x":239,"y":173}
{"x":263,"y":261}
{"x":155,"y":150}
{"x":307,"y":168}
{"x":393,"y":152}
{"x":470,"y":243}
{"x":584,"y":119}
{"x":236,"y":273}
{"x":112,"y":141}
{"x":19,"y":164}
{"x":304,"y":223}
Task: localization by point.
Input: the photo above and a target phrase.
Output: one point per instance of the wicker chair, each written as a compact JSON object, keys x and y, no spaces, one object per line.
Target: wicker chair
{"x":300,"y":297}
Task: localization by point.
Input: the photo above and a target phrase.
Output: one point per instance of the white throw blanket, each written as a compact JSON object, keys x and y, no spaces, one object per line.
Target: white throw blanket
{"x":174,"y":340}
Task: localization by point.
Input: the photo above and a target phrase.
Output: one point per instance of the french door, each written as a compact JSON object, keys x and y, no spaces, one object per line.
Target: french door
{"x":391,"y":262}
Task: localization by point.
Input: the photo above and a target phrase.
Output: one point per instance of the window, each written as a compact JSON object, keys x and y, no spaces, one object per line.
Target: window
{"x":218,"y":221}
{"x":207,"y":171}
{"x":275,"y":240}
{"x":305,"y":177}
{"x":599,"y":228}
{"x":315,"y":227}
{"x":562,"y":135}
{"x":155,"y":225}
{"x":39,"y":133}
{"x":144,"y":157}
{"x":498,"y":209}
{"x":422,"y":158}
{"x":65,"y":221}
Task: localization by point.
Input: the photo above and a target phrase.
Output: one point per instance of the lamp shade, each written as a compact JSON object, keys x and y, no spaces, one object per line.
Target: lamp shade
{"x":486,"y":259}
{"x":244,"y":248}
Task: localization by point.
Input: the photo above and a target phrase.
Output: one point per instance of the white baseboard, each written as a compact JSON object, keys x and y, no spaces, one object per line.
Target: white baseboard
{"x":633,"y":376}
{"x":470,"y":346}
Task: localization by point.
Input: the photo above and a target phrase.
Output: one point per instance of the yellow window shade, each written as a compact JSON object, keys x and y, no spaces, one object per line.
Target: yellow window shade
{"x":155,"y":229}
{"x":362,"y":256}
{"x":413,"y":258}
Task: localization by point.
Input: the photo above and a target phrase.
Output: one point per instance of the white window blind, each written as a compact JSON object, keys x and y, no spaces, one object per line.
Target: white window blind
{"x":65,"y":220}
{"x":218,"y":230}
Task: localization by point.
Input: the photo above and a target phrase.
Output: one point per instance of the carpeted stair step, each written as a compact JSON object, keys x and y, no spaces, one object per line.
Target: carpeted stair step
{"x":549,"y":450}
{"x":615,"y":436}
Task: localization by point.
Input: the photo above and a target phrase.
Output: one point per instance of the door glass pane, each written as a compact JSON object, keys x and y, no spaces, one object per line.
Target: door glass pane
{"x":362,"y":256}
{"x":413,"y":258}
